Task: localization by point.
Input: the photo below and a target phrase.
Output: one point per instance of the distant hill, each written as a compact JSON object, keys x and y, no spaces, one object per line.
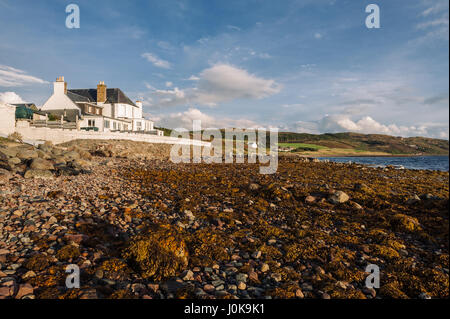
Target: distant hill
{"x":360,"y":143}
{"x":371,"y":142}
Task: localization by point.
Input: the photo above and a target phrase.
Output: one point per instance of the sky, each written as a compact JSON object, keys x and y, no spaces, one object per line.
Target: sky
{"x":299,"y":65}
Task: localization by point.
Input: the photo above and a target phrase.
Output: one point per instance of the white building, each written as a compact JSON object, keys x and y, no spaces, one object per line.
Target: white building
{"x":102,"y":109}
{"x":7,"y":119}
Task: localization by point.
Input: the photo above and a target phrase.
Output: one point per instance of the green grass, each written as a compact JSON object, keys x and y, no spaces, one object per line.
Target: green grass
{"x":302,"y":145}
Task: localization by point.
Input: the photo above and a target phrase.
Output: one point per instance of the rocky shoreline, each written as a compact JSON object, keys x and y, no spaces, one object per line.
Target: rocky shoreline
{"x":148,"y":228}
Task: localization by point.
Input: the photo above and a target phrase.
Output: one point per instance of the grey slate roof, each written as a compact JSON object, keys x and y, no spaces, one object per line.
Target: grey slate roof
{"x":113,"y":95}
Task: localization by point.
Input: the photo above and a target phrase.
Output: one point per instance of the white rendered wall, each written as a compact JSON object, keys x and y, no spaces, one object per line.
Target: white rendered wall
{"x":57,"y":136}
{"x":59,"y":100}
{"x":7,"y":119}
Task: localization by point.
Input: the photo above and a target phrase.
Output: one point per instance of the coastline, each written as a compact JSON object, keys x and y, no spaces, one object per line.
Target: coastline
{"x":307,"y":231}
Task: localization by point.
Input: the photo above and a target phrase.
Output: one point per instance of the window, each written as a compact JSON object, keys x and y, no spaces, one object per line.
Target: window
{"x":91,"y":123}
{"x":106,"y":124}
{"x":115,"y":125}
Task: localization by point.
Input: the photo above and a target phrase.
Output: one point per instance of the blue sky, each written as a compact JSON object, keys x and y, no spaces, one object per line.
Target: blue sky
{"x":305,"y":65}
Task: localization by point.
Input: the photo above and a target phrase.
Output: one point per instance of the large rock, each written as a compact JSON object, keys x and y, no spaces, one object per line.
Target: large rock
{"x":161,"y":253}
{"x":43,"y":154}
{"x":41,"y":164}
{"x":81,"y":164}
{"x":14,"y":161}
{"x":7,"y":152}
{"x":60,"y":160}
{"x":37,"y":173}
{"x":27,"y":154}
{"x":6,"y":165}
{"x":57,"y":151}
{"x":338,"y":197}
{"x":72,"y":155}
{"x":5,"y":175}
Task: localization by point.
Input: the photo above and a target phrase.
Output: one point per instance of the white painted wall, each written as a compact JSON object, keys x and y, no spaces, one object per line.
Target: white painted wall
{"x":59,"y":100}
{"x":7,"y":119}
{"x":99,"y":122}
{"x":107,"y":110}
{"x":137,"y":111}
{"x":57,"y":136}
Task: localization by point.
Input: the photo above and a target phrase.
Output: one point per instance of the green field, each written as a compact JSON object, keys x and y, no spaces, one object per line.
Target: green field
{"x":302,"y":145}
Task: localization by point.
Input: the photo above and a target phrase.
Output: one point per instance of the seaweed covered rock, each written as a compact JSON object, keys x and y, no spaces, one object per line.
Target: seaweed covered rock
{"x":159,"y":253}
{"x":37,"y":262}
{"x":68,"y":252}
{"x":207,"y":247}
{"x":403,"y":222}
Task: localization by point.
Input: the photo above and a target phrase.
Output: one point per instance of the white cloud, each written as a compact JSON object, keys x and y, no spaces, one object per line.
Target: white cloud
{"x":160,"y":63}
{"x":318,"y":35}
{"x":434,"y":7}
{"x":11,"y":77}
{"x":367,"y":125}
{"x":436,"y":21}
{"x":10,"y":97}
{"x":233,"y":27}
{"x":217,"y":84}
{"x":185,"y":119}
{"x":169,"y":84}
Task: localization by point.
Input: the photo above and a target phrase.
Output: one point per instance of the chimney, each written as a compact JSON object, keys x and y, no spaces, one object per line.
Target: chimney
{"x":101,"y":92}
{"x":139,"y":104}
{"x":60,"y":87}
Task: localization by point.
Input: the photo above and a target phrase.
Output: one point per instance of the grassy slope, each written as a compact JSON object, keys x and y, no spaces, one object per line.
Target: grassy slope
{"x":347,"y":144}
{"x":360,"y":143}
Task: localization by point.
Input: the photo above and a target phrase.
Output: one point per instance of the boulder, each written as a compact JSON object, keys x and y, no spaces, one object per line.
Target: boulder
{"x":72,"y":155}
{"x":43,"y":154}
{"x":7,"y":152}
{"x":38,"y":173}
{"x":5,"y":175}
{"x":6,"y":165}
{"x":80,"y":164}
{"x":338,"y":197}
{"x":27,"y":154}
{"x":14,"y":161}
{"x":57,"y":151}
{"x":60,"y":160}
{"x":41,"y":164}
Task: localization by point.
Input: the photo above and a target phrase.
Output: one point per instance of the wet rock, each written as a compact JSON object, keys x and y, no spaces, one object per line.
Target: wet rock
{"x":159,"y":253}
{"x":24,"y":289}
{"x":413,"y":200}
{"x":27,"y":154}
{"x":41,"y":164}
{"x":338,"y":197}
{"x":310,"y":199}
{"x":89,"y":294}
{"x":37,"y":173}
{"x":265,"y":267}
{"x":299,"y":294}
{"x":187,"y":275}
{"x":241,"y":285}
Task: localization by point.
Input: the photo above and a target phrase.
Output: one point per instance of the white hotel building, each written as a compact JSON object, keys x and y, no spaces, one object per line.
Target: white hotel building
{"x":102,"y":109}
